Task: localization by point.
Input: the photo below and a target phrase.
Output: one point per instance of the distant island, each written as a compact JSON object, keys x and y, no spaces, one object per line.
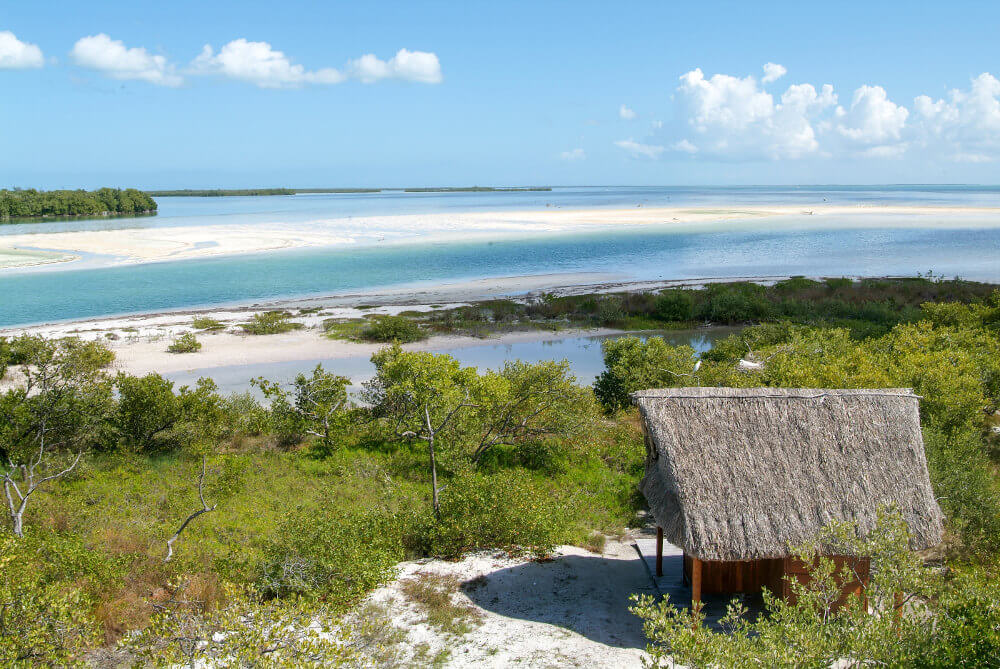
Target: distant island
{"x":235,"y":192}
{"x":39,"y":204}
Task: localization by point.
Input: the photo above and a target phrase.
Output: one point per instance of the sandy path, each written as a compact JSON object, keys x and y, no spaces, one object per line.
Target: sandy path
{"x":155,"y":244}
{"x":570,"y":611}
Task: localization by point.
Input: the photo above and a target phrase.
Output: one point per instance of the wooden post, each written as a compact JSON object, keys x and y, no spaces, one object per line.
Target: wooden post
{"x":897,"y":606}
{"x":695,"y":580}
{"x":659,"y":552}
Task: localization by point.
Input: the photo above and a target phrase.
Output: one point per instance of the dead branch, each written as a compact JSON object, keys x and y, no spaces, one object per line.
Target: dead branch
{"x":205,"y":508}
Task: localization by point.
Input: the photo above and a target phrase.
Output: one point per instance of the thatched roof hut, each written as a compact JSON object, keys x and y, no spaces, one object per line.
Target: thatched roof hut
{"x":737,"y":474}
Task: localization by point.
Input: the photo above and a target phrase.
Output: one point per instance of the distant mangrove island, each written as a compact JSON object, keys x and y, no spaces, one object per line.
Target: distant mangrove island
{"x":37,"y":204}
{"x":235,"y":192}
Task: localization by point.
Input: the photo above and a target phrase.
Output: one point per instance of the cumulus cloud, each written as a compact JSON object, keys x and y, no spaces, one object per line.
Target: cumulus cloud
{"x":966,"y":126}
{"x":873,"y":122}
{"x":114,"y":59}
{"x":261,"y":64}
{"x":419,"y":66}
{"x":732,"y":118}
{"x":625,"y":113}
{"x":639,"y":150}
{"x":573,"y":155}
{"x":773,"y":72}
{"x":258,"y":63}
{"x":18,"y":55}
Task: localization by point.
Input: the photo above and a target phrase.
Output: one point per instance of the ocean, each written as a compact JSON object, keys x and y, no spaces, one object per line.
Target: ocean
{"x":864,"y":244}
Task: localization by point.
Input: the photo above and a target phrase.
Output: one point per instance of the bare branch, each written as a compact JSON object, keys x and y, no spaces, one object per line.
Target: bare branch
{"x":205,"y":508}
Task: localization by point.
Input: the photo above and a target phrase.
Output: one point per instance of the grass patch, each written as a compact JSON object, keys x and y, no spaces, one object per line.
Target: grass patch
{"x":340,"y":329}
{"x":434,"y":595}
{"x":393,"y":328}
{"x":270,"y":322}
{"x":206,"y":323}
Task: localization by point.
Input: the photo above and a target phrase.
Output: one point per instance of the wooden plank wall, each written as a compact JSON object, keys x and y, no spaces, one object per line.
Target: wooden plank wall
{"x":753,"y":575}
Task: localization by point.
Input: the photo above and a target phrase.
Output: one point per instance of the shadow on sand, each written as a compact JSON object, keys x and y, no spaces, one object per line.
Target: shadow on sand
{"x":588,"y":594}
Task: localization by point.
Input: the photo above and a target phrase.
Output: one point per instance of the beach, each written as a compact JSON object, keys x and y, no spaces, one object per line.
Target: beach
{"x":135,"y":245}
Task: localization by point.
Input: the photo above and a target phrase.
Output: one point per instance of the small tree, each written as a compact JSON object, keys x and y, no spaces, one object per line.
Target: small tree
{"x":423,"y":396}
{"x":50,"y":417}
{"x":316,"y":405}
{"x":524,"y":401}
{"x":148,"y":411}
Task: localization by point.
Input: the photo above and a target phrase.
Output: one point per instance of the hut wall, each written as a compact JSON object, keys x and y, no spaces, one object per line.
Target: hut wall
{"x":747,"y":576}
{"x":752,"y":576}
{"x":852,"y":586}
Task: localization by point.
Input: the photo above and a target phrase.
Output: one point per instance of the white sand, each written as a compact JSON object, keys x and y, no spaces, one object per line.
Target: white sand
{"x":154,"y":244}
{"x":140,"y":341}
{"x":571,"y":611}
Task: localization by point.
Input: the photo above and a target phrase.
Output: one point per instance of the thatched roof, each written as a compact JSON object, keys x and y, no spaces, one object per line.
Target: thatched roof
{"x":747,"y":473}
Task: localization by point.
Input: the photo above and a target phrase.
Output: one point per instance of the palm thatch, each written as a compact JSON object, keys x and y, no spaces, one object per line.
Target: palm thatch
{"x":748,"y":473}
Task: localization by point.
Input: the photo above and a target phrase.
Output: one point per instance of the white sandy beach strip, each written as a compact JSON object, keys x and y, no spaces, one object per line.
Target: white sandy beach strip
{"x":156,"y":244}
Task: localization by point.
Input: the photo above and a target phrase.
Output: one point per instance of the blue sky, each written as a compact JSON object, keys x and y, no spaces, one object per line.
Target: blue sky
{"x":124,"y":93}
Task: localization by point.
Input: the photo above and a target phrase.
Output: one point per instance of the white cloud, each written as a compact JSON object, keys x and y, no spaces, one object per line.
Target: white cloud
{"x":18,"y":55}
{"x":966,"y":126}
{"x":113,"y":58}
{"x":874,"y":123}
{"x":724,"y":117}
{"x":733,"y":118}
{"x":684,"y":146}
{"x":419,"y":66}
{"x":657,"y":125}
{"x":625,"y":113}
{"x":574,"y":154}
{"x":773,"y":72}
{"x":259,"y":63}
{"x":638,"y":150}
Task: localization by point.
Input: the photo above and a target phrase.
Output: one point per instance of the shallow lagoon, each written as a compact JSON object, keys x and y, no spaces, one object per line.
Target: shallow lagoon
{"x":582,"y":351}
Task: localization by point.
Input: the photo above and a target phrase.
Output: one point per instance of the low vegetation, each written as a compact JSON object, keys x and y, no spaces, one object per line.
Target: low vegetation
{"x":33,"y":204}
{"x":185,"y":343}
{"x":269,"y":323}
{"x":318,"y":494}
{"x":392,"y":328}
{"x":866,"y":308}
{"x":206,"y":323}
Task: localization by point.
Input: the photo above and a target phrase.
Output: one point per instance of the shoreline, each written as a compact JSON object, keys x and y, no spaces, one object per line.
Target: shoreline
{"x":141,"y":245}
{"x":383,"y":300}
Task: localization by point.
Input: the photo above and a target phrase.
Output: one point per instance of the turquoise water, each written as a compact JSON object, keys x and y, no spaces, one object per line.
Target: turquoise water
{"x":647,"y":253}
{"x":183,"y":211}
{"x":582,"y":352}
{"x":862,"y":244}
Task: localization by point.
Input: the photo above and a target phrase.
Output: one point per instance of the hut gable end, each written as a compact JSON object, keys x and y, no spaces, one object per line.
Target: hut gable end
{"x":747,"y":473}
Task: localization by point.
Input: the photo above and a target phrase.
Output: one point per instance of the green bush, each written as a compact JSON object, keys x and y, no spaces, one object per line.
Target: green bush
{"x":206,"y":323}
{"x":735,"y":303}
{"x":481,"y":512}
{"x":393,"y":328}
{"x":186,"y":343}
{"x":44,"y":620}
{"x":332,"y":554}
{"x":269,"y":323}
{"x":674,"y":305}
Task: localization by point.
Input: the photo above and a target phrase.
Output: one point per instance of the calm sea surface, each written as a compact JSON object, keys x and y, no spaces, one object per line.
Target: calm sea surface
{"x":862,"y":244}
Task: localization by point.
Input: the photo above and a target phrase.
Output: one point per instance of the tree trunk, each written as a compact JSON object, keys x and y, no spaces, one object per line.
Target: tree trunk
{"x":17,"y":521}
{"x":434,"y":479}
